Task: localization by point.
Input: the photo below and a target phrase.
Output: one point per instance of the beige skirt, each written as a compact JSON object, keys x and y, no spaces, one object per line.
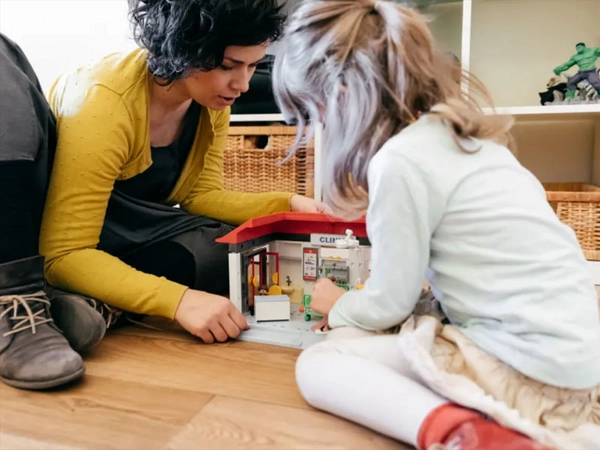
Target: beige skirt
{"x":449,"y":363}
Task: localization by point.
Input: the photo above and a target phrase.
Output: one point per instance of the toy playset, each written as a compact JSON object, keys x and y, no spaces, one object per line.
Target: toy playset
{"x":299,"y":248}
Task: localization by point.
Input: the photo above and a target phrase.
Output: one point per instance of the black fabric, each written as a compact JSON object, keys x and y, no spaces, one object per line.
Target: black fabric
{"x":191,"y":258}
{"x":18,"y":239}
{"x":156,"y":183}
{"x":27,"y":147}
{"x":166,"y":259}
{"x":259,"y":98}
{"x":153,"y":236}
{"x":23,"y":276}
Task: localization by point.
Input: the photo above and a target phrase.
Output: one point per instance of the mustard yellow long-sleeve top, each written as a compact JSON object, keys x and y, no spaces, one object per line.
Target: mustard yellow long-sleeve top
{"x":103,"y":135}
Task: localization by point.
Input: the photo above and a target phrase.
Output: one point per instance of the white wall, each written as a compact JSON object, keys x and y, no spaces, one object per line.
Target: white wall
{"x":517,"y":43}
{"x":446,"y":26}
{"x":58,"y":35}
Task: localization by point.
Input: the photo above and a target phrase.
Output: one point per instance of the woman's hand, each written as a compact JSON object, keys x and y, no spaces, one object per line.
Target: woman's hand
{"x":324,"y":296}
{"x":300,"y":203}
{"x":209,"y":317}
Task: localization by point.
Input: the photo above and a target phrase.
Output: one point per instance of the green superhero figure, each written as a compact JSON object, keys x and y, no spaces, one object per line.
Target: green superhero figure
{"x":585,"y":59}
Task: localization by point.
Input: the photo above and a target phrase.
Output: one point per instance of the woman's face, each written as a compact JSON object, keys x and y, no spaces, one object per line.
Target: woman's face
{"x":219,"y":88}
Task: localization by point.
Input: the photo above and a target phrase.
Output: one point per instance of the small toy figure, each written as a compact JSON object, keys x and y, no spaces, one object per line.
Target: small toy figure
{"x":263,"y":289}
{"x":585,"y":59}
{"x":348,"y":242}
{"x":556,"y":91}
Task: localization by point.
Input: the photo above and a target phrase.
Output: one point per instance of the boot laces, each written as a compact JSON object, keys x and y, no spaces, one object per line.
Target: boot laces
{"x":14,"y":305}
{"x":111,"y":314}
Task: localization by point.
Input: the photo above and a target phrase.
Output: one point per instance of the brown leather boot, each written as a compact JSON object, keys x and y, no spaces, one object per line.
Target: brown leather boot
{"x":33,"y":352}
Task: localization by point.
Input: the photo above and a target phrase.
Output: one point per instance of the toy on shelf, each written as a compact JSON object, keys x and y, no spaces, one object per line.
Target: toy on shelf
{"x":310,"y":246}
{"x":584,"y":86}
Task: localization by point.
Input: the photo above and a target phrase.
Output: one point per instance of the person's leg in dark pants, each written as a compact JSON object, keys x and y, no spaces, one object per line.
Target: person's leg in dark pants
{"x":211,"y":258}
{"x":192,"y":258}
{"x":33,"y":352}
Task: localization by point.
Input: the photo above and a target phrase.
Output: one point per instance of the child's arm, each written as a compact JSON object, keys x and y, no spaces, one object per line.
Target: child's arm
{"x":402,"y":214}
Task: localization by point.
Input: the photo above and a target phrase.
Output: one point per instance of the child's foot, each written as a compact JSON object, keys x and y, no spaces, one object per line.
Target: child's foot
{"x":452,"y":427}
{"x":483,"y":434}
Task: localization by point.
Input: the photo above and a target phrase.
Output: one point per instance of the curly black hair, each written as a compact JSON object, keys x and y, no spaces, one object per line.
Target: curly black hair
{"x":193,"y":34}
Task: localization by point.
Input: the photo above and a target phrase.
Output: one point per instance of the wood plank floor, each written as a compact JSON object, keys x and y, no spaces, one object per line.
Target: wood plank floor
{"x":146,"y":389}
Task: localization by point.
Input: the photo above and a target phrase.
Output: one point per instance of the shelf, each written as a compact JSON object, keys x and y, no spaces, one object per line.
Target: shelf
{"x":550,"y":112}
{"x":579,"y":112}
{"x":256,"y":118}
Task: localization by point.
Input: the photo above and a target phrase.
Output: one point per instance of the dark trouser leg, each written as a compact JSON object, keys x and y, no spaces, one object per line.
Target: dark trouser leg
{"x":33,"y":353}
{"x":212,"y":259}
{"x":192,"y":258}
{"x":17,"y":236}
{"x":165,"y":259}
{"x":19,"y":240}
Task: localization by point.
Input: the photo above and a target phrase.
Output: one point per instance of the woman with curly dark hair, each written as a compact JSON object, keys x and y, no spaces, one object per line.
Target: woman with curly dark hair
{"x":138,"y":134}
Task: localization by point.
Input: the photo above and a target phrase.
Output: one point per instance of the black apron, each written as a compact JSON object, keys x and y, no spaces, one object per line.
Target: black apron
{"x":137,"y":221}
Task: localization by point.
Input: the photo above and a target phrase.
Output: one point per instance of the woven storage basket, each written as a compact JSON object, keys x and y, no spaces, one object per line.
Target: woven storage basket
{"x":251,"y":161}
{"x":578,"y":205}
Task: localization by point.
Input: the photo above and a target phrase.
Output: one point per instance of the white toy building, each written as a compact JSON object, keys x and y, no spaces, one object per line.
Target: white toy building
{"x":298,"y":248}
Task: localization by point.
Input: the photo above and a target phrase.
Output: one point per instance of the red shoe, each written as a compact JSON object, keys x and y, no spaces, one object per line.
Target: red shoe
{"x":483,"y":434}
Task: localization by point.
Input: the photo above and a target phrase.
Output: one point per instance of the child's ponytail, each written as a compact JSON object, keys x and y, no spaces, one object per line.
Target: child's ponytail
{"x":366,"y":69}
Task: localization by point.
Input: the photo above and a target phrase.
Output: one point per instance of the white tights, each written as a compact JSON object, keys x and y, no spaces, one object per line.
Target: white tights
{"x":361,"y":377}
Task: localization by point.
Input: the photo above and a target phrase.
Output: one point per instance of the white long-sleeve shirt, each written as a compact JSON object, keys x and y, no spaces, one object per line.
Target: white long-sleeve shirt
{"x":479,"y":227}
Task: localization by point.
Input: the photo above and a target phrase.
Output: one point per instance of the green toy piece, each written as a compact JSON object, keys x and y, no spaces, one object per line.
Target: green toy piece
{"x":585,"y":59}
{"x":309,"y":313}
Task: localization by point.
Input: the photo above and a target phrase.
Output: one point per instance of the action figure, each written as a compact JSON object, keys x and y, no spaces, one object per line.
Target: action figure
{"x":263,"y":289}
{"x":585,"y":59}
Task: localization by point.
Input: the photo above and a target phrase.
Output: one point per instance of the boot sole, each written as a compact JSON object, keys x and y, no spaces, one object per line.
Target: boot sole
{"x":41,"y":385}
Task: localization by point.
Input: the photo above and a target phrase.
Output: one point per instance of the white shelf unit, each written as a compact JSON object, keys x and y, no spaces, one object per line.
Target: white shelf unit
{"x":513,"y":47}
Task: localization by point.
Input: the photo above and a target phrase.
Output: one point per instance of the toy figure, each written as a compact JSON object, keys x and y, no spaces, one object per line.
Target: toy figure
{"x":585,"y":59}
{"x":263,"y":289}
{"x":348,"y":242}
{"x":555,"y":93}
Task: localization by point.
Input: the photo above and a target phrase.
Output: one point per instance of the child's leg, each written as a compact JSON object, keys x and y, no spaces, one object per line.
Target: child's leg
{"x":365,"y":391}
{"x":366,"y":380}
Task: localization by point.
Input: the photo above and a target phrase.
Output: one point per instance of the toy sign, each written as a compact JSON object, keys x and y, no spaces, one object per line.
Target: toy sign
{"x":309,"y":264}
{"x":325,"y":239}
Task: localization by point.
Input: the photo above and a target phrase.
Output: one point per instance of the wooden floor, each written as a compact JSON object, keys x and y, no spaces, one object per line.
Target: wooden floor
{"x":163,"y":390}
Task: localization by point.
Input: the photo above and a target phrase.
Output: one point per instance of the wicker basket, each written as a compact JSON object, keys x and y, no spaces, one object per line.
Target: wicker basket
{"x":251,"y":161}
{"x":578,"y":205}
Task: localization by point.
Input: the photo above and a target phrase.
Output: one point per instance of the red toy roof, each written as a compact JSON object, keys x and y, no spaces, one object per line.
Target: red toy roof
{"x":293,"y":223}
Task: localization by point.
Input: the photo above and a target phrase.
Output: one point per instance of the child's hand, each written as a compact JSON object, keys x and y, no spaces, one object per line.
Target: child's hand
{"x":299,"y":203}
{"x":324,"y":295}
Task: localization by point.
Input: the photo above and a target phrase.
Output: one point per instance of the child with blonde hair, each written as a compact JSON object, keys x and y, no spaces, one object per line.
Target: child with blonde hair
{"x":515,"y":364}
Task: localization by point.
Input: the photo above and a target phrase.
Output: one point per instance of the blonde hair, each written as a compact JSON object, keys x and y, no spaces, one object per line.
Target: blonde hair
{"x":365,"y":69}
